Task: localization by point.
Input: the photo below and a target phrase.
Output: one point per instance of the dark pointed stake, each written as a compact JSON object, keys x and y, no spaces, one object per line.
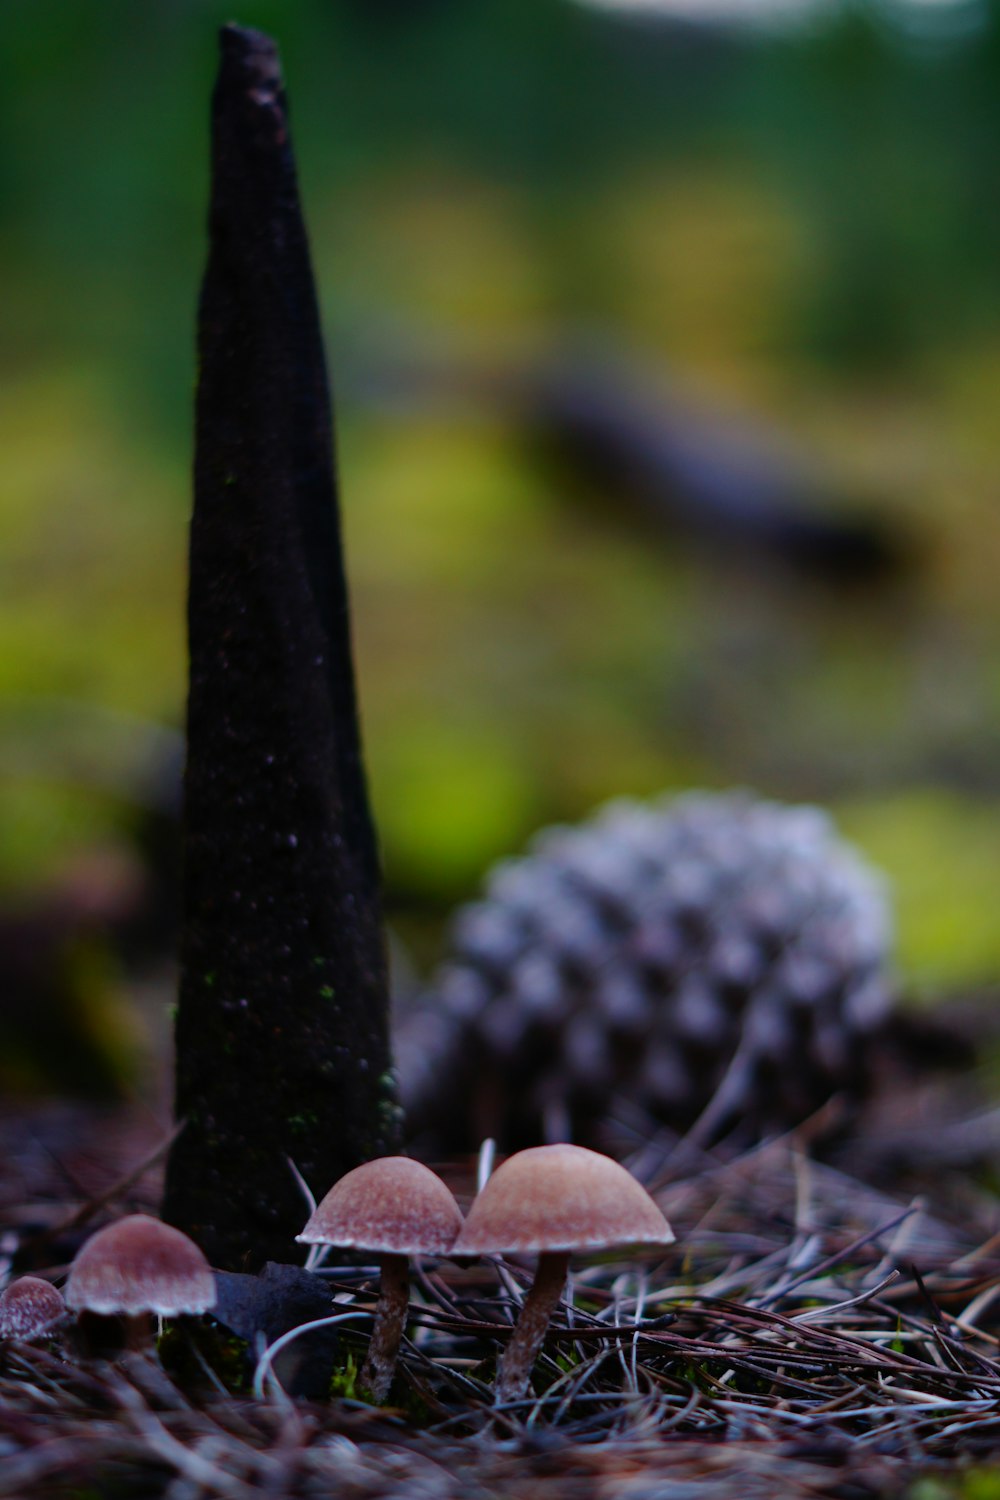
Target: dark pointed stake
{"x":282,"y":1030}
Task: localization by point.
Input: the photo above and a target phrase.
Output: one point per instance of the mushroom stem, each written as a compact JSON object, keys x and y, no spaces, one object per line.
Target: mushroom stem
{"x":140,"y":1334}
{"x":536,"y":1314}
{"x":390,"y":1320}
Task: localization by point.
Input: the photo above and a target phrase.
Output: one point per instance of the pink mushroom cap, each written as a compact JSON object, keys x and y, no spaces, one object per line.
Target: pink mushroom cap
{"x":391,"y":1206}
{"x":29,"y":1307}
{"x":561,"y":1198}
{"x":140,"y":1265}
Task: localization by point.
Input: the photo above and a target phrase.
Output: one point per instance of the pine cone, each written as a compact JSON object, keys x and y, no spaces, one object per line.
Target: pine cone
{"x":697,"y":961}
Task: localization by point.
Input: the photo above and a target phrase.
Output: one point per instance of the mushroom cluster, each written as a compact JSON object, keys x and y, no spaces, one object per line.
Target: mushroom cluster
{"x":549,"y":1201}
{"x":553,"y":1201}
{"x":125,"y":1275}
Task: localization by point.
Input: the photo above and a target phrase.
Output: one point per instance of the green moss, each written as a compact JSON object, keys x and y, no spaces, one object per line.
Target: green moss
{"x":344,"y":1381}
{"x":980,"y":1484}
{"x":180,"y":1344}
{"x":970,"y":1484}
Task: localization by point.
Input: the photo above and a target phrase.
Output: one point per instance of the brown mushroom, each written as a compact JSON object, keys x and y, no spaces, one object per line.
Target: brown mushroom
{"x":30,"y":1308}
{"x":396,"y":1208}
{"x":138,"y":1267}
{"x":554,"y":1200}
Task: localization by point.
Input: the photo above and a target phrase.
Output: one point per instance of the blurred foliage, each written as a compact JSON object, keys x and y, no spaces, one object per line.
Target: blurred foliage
{"x":946,"y":859}
{"x":801,"y":226}
{"x":969,"y":1484}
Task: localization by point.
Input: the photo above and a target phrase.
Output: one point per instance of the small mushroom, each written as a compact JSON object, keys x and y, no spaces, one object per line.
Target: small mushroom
{"x":30,"y":1308}
{"x":395,"y":1208}
{"x":136,"y":1267}
{"x":554,"y":1200}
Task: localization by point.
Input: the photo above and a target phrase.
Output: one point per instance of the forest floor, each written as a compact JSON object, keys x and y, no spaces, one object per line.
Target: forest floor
{"x":823,"y":1328}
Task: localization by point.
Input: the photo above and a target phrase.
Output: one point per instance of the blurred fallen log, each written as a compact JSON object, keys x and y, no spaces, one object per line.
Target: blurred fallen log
{"x":686,"y":466}
{"x":659,"y":457}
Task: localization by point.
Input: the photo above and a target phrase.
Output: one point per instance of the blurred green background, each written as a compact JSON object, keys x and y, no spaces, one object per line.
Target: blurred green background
{"x":797,"y":224}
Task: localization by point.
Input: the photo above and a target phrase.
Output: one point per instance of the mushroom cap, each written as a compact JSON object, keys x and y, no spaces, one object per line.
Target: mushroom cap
{"x":140,"y":1265}
{"x":29,"y":1307}
{"x":392,"y":1205}
{"x":561,"y":1198}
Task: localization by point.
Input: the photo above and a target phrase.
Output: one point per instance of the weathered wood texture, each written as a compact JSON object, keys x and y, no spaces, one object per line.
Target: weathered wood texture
{"x":282,"y":1044}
